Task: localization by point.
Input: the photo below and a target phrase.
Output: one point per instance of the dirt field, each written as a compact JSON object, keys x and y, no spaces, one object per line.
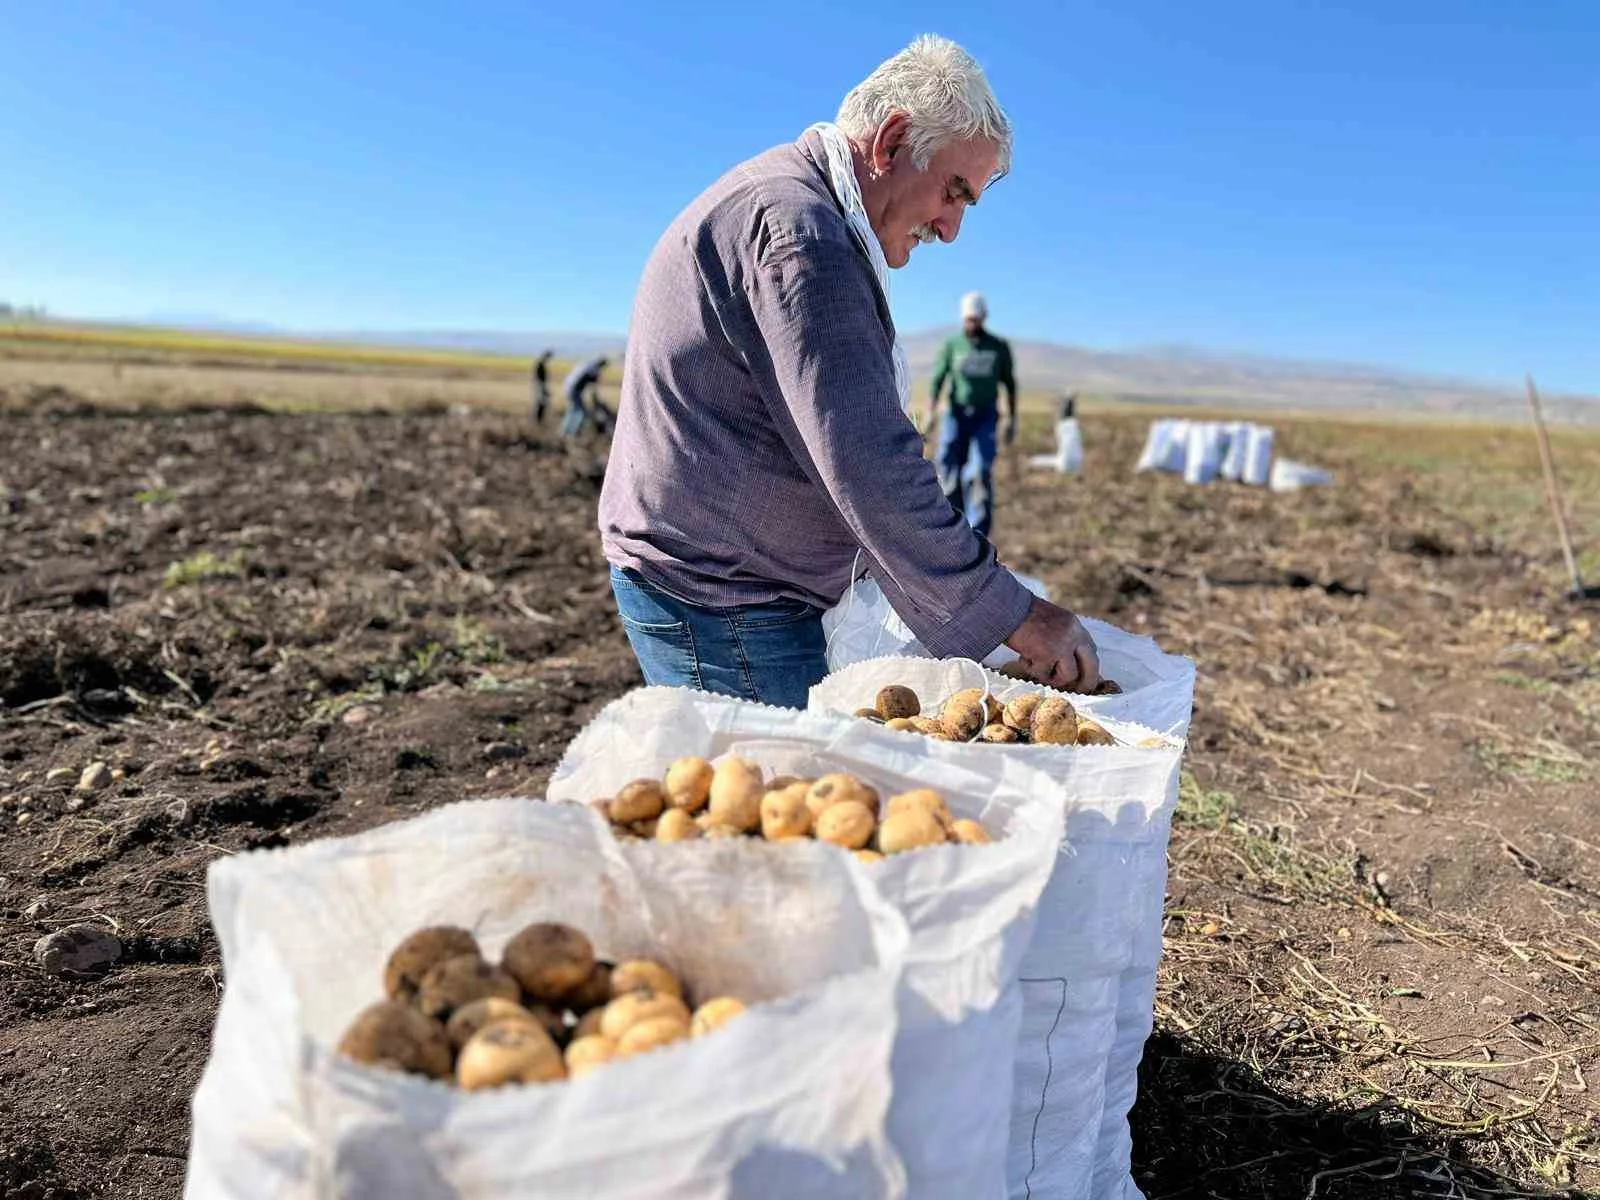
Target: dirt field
{"x":1383,"y":936}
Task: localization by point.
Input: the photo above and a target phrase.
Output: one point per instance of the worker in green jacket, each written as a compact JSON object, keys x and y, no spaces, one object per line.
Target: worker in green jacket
{"x":977,"y":364}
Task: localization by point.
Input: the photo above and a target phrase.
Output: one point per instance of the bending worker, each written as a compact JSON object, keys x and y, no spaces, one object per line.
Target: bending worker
{"x":763,"y":448}
{"x":977,"y":364}
{"x":582,"y":390}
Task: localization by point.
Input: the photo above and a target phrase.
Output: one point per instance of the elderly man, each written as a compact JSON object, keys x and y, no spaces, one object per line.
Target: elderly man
{"x":977,"y":365}
{"x":763,"y":450}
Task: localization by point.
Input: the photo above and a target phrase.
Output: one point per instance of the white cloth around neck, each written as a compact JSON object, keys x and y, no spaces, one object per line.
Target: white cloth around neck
{"x":842,"y":173}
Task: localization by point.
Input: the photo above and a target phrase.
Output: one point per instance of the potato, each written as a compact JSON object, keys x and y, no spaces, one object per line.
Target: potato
{"x":963,"y":719}
{"x":712,"y":831}
{"x":784,"y":813}
{"x":903,"y":724}
{"x":470,"y":1018}
{"x":932,"y":727}
{"x":1019,"y":712}
{"x":869,"y":714}
{"x":868,"y":856}
{"x":419,"y":952}
{"x":1002,"y":735}
{"x":593,"y":992}
{"x":588,"y":1024}
{"x":509,"y":1052}
{"x":992,"y":708}
{"x":461,"y":980}
{"x":969,"y":833}
{"x":632,"y":1008}
{"x":1092,"y":733}
{"x":910,"y":829}
{"x":848,"y":823}
{"x":925,"y":799}
{"x":587,"y":1053}
{"x":714,"y":1014}
{"x":897,"y":701}
{"x":394,"y":1035}
{"x":651,"y":1035}
{"x":676,"y":825}
{"x":688,"y":784}
{"x":550,"y":961}
{"x":834,"y":788}
{"x":641,"y":800}
{"x":736,"y":791}
{"x":644,"y":829}
{"x":1055,"y":723}
{"x":1108,"y":687}
{"x":642,"y":974}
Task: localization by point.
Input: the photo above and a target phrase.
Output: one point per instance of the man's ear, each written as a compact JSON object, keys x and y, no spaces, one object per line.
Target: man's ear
{"x":889,"y":143}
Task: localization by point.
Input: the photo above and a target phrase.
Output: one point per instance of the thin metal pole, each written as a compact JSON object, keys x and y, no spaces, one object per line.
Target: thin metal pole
{"x":1553,"y":488}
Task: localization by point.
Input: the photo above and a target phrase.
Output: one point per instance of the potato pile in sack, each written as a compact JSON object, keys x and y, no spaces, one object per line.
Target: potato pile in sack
{"x":1154,"y":689}
{"x":500,"y":998}
{"x":1089,"y":976}
{"x":962,"y":849}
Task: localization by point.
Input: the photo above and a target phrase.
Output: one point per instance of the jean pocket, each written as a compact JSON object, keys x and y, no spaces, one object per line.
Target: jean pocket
{"x":644,"y":609}
{"x":774,"y":613}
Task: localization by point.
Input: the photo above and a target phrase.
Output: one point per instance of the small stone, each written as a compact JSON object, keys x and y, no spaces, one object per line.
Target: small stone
{"x":7,"y":800}
{"x":76,"y":803}
{"x":25,"y":777}
{"x":95,"y":776}
{"x":494,"y":772}
{"x":1535,"y":976}
{"x":1210,"y":929}
{"x":1344,"y":932}
{"x":77,"y":950}
{"x":499,"y":751}
{"x":1493,"y":1002}
{"x":118,"y":774}
{"x":56,"y":774}
{"x":359,"y":715}
{"x":23,"y":819}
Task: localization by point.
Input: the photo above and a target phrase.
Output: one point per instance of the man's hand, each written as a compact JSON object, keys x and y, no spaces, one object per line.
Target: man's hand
{"x":930,"y":421}
{"x":1011,"y":431}
{"x":1056,"y":649}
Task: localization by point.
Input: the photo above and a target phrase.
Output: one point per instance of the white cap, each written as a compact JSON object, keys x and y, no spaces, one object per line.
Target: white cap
{"x":972,"y":305}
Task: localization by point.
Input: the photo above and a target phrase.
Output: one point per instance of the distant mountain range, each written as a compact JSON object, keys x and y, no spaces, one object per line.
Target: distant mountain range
{"x":1171,"y":376}
{"x":1162,"y":375}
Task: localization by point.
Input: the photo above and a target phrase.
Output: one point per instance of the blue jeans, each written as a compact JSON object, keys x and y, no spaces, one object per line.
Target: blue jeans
{"x":576,"y":415}
{"x":770,"y":652}
{"x":963,"y":435}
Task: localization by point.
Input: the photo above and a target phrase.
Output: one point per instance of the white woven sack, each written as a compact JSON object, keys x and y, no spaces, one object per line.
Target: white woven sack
{"x":788,"y":1100}
{"x":970,"y":908}
{"x":1089,"y":976}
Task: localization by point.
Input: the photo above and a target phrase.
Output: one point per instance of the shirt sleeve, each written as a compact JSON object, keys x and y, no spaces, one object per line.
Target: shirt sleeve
{"x":1005,"y":375}
{"x":815,"y":308}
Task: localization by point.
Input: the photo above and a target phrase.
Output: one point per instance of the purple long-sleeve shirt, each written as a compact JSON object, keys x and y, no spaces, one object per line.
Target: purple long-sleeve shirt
{"x":760,"y":442}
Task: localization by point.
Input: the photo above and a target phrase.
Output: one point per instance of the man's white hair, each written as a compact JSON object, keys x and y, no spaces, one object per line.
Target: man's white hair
{"x":943,"y":91}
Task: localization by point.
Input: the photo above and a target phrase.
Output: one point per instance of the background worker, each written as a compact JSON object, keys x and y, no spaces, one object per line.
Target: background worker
{"x":541,"y":387}
{"x":977,"y":364}
{"x":582,"y":390}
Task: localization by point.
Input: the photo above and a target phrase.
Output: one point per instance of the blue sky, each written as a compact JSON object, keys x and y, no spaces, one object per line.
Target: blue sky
{"x":1406,"y":182}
